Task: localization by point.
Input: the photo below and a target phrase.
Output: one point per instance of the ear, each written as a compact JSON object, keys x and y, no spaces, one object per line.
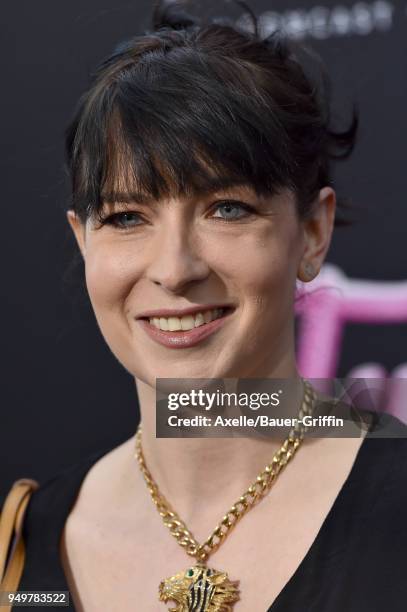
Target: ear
{"x":317,"y":234}
{"x":78,"y":229}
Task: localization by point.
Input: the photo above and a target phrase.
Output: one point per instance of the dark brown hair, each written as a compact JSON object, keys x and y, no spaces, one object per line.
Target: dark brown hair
{"x":190,"y":106}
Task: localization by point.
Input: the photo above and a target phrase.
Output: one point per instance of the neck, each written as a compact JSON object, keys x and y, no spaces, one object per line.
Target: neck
{"x":189,"y":471}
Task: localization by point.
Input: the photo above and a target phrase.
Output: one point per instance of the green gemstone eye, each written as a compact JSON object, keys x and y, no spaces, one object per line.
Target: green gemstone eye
{"x":190,"y":572}
{"x":208,"y":572}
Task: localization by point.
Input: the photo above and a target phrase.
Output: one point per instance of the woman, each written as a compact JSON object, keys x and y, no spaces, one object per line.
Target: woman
{"x":200,"y":164}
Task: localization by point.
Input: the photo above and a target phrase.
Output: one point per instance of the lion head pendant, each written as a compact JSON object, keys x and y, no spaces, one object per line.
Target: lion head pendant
{"x":199,"y":589}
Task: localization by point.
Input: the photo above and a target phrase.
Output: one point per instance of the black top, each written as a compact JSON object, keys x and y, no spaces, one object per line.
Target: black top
{"x":357,"y":562}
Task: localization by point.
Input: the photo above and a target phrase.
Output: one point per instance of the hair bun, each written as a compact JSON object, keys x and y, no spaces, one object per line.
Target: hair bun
{"x":170,"y":14}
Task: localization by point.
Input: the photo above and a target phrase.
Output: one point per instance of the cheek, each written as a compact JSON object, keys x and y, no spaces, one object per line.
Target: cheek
{"x":263,"y":269}
{"x":110,"y":275}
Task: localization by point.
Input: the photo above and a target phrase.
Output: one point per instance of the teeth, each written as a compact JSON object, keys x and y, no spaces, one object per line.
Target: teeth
{"x":200,"y":319}
{"x":174,"y":324}
{"x":187,"y":322}
{"x":207,"y":316}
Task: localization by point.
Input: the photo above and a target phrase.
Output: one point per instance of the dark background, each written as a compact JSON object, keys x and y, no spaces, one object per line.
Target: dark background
{"x":63,"y":394}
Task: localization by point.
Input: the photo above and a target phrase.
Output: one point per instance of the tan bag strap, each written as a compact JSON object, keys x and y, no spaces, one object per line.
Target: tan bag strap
{"x":11,"y":529}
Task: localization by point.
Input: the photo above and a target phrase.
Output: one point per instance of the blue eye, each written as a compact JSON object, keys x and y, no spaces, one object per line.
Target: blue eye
{"x":233,"y":211}
{"x":122,"y":220}
{"x":225,"y":211}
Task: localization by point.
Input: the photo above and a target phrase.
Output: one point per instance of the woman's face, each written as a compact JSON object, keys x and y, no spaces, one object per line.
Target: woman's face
{"x":229,"y":249}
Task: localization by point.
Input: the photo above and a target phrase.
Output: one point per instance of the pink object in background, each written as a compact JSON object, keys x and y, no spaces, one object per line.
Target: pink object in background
{"x":327,"y":304}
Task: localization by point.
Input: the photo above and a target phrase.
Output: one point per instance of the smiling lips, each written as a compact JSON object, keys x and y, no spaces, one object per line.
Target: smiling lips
{"x":184,"y":331}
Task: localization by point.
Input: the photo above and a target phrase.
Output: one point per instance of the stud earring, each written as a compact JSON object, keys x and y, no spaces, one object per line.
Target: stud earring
{"x":309,"y":270}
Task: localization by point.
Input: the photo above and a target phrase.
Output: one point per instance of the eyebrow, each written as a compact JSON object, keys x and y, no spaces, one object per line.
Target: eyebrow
{"x":213,"y":185}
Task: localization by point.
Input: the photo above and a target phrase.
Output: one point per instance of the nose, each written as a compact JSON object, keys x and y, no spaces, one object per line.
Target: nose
{"x":176,"y":261}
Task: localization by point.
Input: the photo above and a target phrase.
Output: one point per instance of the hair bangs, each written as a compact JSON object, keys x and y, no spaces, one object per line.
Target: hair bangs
{"x":158,"y":138}
{"x":191,"y":109}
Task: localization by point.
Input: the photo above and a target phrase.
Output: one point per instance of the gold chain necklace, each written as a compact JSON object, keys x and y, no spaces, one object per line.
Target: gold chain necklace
{"x":201,"y":588}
